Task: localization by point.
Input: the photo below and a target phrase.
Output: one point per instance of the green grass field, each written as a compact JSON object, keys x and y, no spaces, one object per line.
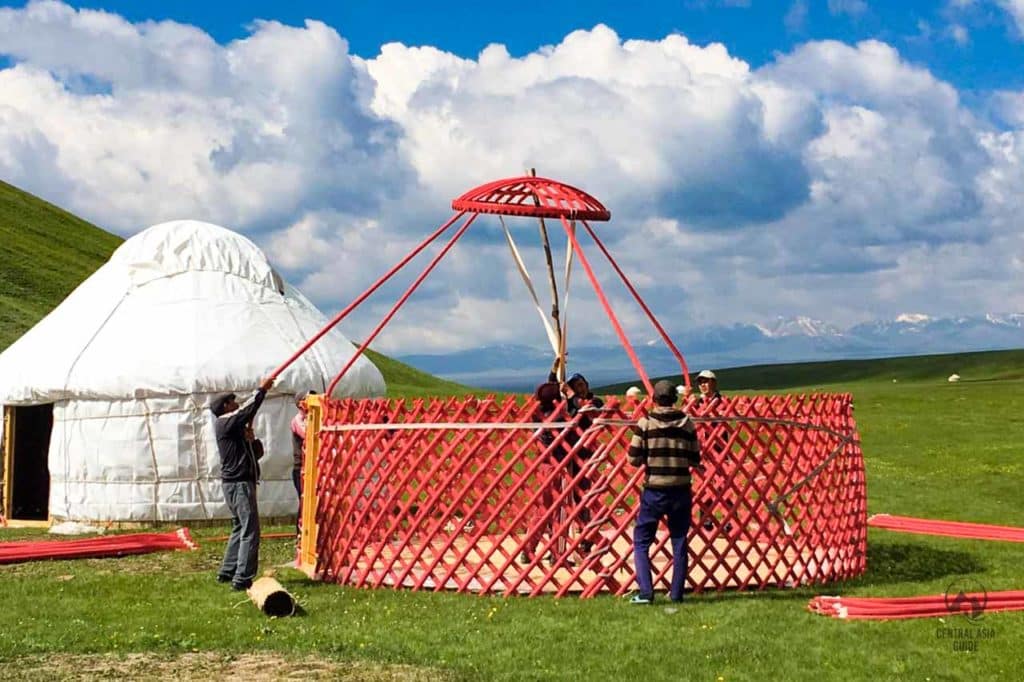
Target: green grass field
{"x":932,"y":449}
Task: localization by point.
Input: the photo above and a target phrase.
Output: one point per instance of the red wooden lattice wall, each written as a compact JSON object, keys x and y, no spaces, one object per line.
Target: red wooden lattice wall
{"x":462,"y":494}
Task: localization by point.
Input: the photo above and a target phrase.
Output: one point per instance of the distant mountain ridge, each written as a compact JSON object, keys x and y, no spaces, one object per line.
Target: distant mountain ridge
{"x":797,"y":339}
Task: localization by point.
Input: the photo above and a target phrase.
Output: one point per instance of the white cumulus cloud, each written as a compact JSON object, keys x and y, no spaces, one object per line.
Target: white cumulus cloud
{"x":837,"y":181}
{"x":1015,"y":8}
{"x":153,"y":121}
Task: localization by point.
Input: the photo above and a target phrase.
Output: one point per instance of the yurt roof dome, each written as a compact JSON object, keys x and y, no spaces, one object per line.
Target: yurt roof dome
{"x":183,"y":307}
{"x":183,"y":246}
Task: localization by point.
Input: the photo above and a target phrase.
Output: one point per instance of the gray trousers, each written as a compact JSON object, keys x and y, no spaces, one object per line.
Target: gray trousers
{"x":242,"y":554}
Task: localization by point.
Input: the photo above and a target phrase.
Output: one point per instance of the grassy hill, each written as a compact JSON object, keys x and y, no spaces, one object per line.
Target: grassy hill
{"x":983,"y":366}
{"x":406,"y":381}
{"x":45,"y":252}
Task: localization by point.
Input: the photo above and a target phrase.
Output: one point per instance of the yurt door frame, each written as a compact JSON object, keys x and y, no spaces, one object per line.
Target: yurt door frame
{"x":26,"y":471}
{"x":8,"y":447}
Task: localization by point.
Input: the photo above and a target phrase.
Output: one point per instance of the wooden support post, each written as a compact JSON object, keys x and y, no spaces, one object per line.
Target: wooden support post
{"x":310,"y":470}
{"x":8,"y":462}
{"x":545,"y":242}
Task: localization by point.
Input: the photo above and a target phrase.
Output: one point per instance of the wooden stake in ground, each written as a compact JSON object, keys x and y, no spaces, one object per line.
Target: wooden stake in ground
{"x":271,"y":598}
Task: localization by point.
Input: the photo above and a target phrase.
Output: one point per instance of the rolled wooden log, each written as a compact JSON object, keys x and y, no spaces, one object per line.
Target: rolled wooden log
{"x":271,"y":598}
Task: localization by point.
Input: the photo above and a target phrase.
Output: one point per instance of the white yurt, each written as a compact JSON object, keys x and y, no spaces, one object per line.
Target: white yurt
{"x":124,"y":369}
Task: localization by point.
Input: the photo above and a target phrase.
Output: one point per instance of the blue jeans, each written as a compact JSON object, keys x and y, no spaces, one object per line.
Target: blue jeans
{"x":675,"y":506}
{"x":242,"y":554}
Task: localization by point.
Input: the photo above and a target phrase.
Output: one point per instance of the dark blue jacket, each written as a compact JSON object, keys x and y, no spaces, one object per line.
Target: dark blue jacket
{"x":238,"y":461}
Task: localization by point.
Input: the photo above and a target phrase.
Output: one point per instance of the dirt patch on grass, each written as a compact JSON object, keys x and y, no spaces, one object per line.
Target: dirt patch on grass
{"x":257,"y":667}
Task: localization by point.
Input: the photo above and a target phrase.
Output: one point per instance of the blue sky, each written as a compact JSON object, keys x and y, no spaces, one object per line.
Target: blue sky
{"x":991,"y":57}
{"x":845,"y":160}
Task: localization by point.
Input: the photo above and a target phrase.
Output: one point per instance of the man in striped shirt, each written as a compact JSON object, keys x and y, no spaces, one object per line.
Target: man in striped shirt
{"x":665,"y":444}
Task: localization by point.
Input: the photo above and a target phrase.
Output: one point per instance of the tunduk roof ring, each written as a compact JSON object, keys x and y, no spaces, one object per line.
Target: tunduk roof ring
{"x":532,"y":197}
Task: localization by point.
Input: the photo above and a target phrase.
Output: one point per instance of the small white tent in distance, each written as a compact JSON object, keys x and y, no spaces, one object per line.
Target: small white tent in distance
{"x":125,"y":368}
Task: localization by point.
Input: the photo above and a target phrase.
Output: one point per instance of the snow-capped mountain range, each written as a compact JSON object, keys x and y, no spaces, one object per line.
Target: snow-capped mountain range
{"x":798,"y":326}
{"x":797,"y":339}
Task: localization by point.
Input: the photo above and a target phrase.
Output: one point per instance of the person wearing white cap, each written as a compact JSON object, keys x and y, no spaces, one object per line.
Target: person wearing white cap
{"x":708,"y":397}
{"x":707,"y":383}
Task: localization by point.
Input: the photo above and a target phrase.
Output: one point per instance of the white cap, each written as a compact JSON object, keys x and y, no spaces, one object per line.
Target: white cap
{"x":633,"y":392}
{"x":707,"y":374}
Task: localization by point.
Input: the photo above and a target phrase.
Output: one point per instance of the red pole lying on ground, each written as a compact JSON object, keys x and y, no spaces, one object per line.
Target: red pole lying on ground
{"x":971,"y":604}
{"x":951,"y":529}
{"x":94,"y":548}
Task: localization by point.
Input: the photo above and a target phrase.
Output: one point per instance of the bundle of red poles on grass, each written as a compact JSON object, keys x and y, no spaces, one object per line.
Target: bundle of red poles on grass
{"x":971,"y":604}
{"x":954,"y":529}
{"x":95,"y":548}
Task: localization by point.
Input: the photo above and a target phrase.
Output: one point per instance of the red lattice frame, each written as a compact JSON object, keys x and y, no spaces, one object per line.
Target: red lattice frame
{"x":446,"y":494}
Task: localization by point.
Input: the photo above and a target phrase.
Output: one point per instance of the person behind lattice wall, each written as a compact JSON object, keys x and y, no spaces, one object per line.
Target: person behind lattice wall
{"x":706,"y":401}
{"x":580,"y":404}
{"x":549,"y":405}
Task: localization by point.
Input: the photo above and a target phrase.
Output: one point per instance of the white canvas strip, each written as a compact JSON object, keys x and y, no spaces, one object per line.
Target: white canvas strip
{"x":552,"y":335}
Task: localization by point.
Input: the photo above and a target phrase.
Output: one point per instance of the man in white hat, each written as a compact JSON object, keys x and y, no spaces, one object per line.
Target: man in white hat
{"x":707,"y":384}
{"x":709,"y":395}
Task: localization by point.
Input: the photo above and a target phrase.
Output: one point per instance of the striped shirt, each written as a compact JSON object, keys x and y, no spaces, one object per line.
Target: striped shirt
{"x":666,"y":443}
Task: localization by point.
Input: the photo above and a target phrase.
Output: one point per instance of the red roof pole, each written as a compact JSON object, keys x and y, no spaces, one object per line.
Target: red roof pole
{"x":636,"y":295}
{"x":363,"y":296}
{"x":607,"y":307}
{"x":408,"y":292}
